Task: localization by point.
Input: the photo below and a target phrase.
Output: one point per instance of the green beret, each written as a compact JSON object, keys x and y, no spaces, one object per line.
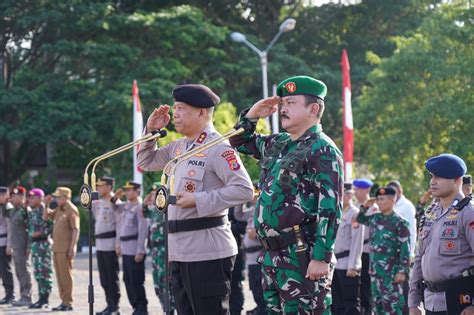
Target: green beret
{"x":302,"y":85}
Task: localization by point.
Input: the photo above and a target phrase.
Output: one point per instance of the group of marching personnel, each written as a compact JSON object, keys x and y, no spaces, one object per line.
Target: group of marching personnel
{"x":312,"y":244}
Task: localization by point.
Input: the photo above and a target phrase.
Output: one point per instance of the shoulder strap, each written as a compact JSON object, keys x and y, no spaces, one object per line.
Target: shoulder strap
{"x":464,"y":202}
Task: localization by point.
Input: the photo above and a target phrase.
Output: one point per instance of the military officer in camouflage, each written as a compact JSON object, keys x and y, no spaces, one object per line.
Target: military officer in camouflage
{"x":389,"y":252}
{"x":40,"y":237}
{"x":299,"y":208}
{"x":157,"y":238}
{"x":443,"y":273}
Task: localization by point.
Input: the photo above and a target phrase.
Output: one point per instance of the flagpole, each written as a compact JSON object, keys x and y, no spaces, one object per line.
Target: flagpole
{"x":137,"y":132}
{"x":348,"y":128}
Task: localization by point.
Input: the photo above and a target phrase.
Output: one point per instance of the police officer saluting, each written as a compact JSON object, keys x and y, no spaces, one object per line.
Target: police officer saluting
{"x":201,"y":244}
{"x":443,"y":273}
{"x":107,"y":241}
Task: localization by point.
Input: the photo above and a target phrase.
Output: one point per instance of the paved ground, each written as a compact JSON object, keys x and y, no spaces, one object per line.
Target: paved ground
{"x":81,"y":282}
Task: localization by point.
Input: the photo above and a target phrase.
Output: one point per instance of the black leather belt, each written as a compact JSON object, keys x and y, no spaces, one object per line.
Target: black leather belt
{"x":253,"y":249}
{"x":175,"y":226}
{"x":342,"y":254}
{"x":129,"y":237}
{"x":446,"y":285}
{"x":39,"y":238}
{"x":278,"y":242}
{"x":3,"y":235}
{"x":110,"y":234}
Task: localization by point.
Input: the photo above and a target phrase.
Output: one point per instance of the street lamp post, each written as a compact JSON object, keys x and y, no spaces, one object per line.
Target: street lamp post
{"x":286,"y":26}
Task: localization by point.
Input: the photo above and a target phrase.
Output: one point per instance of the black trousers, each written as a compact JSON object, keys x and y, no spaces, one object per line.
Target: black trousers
{"x":236,"y":300}
{"x":107,"y":262}
{"x":255,"y":283}
{"x":6,"y":272}
{"x":345,"y":294}
{"x":134,"y":278}
{"x":365,"y":289}
{"x":202,"y":287}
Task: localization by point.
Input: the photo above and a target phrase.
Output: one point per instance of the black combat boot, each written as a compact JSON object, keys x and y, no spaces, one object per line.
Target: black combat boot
{"x":43,"y":302}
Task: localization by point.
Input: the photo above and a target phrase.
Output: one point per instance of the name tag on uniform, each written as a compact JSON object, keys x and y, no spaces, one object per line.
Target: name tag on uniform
{"x":197,"y":163}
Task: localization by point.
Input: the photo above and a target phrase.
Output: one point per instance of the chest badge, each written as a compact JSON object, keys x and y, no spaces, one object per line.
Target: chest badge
{"x":190,"y":187}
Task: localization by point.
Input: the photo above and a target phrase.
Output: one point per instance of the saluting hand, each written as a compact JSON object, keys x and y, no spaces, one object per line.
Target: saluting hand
{"x":159,"y":118}
{"x":48,"y":199}
{"x":264,"y":107}
{"x":317,"y":269}
{"x":369,"y":203}
{"x":185,"y":199}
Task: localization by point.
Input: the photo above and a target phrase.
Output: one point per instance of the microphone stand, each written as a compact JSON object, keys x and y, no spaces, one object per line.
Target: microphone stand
{"x":87,"y":195}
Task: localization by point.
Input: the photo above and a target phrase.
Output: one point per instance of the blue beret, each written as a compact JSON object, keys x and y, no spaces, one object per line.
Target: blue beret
{"x":362,"y":183}
{"x":448,"y":166}
{"x":196,"y":95}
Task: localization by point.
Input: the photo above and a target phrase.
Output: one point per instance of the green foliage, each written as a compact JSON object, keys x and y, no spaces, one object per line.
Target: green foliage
{"x":418,"y":102}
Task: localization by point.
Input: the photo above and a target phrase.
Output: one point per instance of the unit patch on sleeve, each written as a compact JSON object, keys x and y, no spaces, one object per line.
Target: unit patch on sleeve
{"x":231,"y":158}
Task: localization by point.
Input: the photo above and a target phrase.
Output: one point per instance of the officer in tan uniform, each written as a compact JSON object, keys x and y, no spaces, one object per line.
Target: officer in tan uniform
{"x":65,"y":236}
{"x":206,"y":185}
{"x":443,"y":273}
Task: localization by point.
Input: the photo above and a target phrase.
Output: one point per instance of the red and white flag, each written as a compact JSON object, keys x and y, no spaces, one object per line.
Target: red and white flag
{"x":137,"y":131}
{"x":347,"y":125}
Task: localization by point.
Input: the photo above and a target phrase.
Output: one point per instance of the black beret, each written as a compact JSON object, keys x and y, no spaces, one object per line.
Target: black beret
{"x":467,"y":180}
{"x":385,"y":191}
{"x":196,"y":95}
{"x":3,"y":189}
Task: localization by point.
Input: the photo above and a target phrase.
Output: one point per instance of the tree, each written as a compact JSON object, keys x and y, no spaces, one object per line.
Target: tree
{"x":418,"y":102}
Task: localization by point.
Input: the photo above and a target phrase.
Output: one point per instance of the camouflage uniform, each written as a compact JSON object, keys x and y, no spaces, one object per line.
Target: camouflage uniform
{"x":157,"y":239}
{"x":389,"y":254}
{"x":41,"y":250}
{"x":300,"y":181}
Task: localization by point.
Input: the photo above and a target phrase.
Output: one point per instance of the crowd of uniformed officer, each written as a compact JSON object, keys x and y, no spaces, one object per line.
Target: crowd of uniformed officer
{"x":312,"y":243}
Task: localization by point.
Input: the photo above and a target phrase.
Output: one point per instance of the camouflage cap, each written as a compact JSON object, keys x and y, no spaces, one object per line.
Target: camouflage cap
{"x":62,"y":192}
{"x":302,"y":85}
